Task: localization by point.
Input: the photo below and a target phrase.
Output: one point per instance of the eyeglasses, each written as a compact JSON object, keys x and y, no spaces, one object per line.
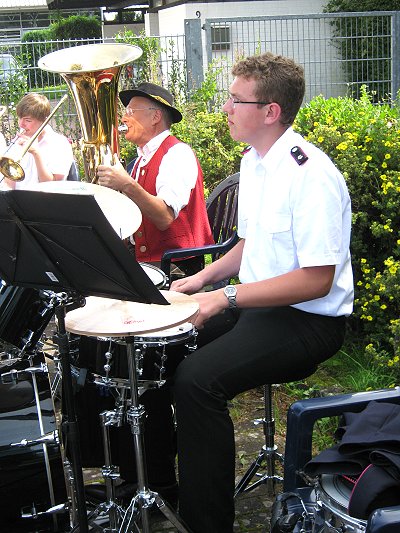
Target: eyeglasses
{"x":131,"y":110}
{"x":235,"y":101}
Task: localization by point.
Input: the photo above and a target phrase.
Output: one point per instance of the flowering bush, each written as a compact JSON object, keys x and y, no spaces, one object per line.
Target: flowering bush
{"x":363,"y":140}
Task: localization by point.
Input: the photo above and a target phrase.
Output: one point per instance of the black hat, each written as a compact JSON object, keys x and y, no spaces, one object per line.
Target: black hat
{"x":152,"y":92}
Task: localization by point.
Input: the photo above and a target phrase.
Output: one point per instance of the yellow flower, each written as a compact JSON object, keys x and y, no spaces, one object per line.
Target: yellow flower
{"x":368,"y":158}
{"x":387,"y":156}
{"x":320,"y":139}
{"x":342,"y":146}
{"x":384,"y":165}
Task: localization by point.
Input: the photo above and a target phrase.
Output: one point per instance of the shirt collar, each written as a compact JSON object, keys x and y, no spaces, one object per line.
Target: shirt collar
{"x":152,"y":146}
{"x":274,"y":155}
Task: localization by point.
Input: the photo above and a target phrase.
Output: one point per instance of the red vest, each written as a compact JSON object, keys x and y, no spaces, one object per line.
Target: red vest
{"x":190,"y":229}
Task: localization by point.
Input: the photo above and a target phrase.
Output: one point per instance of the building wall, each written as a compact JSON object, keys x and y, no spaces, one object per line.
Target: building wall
{"x":170,"y":21}
{"x":111,"y":30}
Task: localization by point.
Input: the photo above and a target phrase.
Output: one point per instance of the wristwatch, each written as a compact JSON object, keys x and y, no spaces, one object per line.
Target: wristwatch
{"x":230,"y":292}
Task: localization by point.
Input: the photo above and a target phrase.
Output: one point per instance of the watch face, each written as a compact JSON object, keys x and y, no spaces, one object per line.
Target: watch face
{"x":230,"y":290}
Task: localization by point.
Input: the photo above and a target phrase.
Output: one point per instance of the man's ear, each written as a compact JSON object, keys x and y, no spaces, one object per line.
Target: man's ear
{"x":273,"y":112}
{"x":158,"y":116}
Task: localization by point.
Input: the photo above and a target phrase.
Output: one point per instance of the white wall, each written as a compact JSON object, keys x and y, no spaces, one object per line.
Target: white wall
{"x":171,"y":20}
{"x":111,"y":30}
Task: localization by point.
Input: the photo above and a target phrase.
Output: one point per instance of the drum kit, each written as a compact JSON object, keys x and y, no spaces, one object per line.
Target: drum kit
{"x":34,"y":384}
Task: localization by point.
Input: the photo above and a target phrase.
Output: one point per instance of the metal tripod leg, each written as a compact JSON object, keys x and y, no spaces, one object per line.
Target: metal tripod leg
{"x":110,"y":474}
{"x":139,"y":508}
{"x":267,"y":457}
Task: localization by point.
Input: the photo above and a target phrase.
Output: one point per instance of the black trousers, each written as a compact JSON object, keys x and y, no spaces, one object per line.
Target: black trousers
{"x":238,"y":351}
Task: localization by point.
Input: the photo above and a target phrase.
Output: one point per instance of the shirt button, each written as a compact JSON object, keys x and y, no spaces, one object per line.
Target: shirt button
{"x":143,"y":248}
{"x":139,"y":234}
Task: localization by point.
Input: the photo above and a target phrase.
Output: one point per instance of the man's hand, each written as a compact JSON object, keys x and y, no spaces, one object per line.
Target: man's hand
{"x":188,"y":285}
{"x":114,"y":176}
{"x":210,"y":304}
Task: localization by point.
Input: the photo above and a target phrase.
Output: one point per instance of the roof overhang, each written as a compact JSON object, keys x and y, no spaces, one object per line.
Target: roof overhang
{"x":108,"y":4}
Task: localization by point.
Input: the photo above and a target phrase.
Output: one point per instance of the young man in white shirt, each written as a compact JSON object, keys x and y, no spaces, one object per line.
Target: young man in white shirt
{"x":288,"y":312}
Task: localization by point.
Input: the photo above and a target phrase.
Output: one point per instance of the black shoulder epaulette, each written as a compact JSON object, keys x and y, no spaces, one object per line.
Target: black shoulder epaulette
{"x":298,"y":155}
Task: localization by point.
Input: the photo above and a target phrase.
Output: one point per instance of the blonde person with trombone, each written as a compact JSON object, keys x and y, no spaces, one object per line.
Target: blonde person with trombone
{"x":50,"y":157}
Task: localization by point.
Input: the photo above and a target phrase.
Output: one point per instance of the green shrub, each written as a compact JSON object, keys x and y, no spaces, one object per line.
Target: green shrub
{"x":208,"y":135}
{"x":36,"y":44}
{"x":363,"y":140}
{"x":76,"y":27}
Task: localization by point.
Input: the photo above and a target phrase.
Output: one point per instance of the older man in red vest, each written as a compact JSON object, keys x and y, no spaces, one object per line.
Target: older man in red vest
{"x":166,"y":181}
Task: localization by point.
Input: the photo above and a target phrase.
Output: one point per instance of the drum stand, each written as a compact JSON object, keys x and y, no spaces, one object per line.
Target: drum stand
{"x":268,"y":453}
{"x":110,"y":472}
{"x":144,"y":499}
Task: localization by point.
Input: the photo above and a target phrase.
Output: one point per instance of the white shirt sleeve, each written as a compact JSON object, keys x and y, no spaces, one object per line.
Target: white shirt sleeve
{"x":177,"y":176}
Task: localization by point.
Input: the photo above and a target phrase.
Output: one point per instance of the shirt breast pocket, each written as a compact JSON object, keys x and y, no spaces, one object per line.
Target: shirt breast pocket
{"x":279,"y":234}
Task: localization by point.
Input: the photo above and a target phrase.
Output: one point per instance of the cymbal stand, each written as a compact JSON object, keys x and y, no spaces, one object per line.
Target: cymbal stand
{"x":144,"y":499}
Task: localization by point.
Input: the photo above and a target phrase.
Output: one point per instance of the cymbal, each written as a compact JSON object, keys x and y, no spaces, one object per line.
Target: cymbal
{"x":120,"y":211}
{"x":105,"y":317}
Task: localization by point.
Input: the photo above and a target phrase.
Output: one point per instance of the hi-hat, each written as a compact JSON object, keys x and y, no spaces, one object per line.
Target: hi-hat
{"x":105,"y":317}
{"x":121,"y":212}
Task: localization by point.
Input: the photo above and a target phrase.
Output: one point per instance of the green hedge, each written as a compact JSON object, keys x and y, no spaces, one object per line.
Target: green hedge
{"x":363,"y":140}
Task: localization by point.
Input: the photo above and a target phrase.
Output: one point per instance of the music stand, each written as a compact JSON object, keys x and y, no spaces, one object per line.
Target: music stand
{"x":63,"y":242}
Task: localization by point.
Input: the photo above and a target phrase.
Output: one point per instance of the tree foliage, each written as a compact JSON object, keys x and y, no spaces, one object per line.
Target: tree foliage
{"x":76,"y":27}
{"x":337,"y":6}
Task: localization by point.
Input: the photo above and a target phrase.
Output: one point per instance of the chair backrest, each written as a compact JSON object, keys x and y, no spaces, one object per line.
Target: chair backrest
{"x":222,"y":209}
{"x":222,"y":215}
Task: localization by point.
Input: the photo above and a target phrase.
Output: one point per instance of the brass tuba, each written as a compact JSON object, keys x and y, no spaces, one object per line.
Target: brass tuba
{"x":92,"y":72}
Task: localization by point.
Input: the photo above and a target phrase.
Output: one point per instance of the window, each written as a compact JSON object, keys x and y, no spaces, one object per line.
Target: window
{"x":220,"y":38}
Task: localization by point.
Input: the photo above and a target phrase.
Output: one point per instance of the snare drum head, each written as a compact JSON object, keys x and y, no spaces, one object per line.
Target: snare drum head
{"x":121,"y":212}
{"x":156,"y":275}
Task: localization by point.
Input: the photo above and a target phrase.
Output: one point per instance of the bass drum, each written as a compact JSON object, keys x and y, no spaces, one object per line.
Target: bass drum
{"x":31,"y":474}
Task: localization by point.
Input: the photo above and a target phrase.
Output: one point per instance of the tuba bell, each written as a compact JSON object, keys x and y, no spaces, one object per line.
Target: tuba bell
{"x":92,"y":72}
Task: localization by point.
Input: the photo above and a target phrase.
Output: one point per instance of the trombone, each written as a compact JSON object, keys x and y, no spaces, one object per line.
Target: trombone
{"x":11,"y":168}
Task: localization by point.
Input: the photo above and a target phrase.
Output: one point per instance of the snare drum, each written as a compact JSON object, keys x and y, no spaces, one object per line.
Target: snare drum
{"x":106,"y":359}
{"x":333,"y":496}
{"x":24,"y":315}
{"x":156,"y":275}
